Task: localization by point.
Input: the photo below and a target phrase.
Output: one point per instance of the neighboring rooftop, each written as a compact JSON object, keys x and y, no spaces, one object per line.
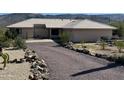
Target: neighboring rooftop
{"x":62,"y":23}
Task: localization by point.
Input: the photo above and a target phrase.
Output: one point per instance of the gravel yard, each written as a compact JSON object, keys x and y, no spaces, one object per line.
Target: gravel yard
{"x":95,"y":48}
{"x":66,"y":64}
{"x":15,"y":71}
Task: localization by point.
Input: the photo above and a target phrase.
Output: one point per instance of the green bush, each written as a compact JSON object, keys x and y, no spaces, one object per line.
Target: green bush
{"x":4,"y":42}
{"x":64,"y":37}
{"x":11,"y":34}
{"x":120,"y":45}
{"x":19,"y":43}
{"x":2,"y":35}
{"x":120,"y":28}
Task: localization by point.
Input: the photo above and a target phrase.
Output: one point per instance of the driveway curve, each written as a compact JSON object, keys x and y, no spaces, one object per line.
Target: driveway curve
{"x":66,"y":64}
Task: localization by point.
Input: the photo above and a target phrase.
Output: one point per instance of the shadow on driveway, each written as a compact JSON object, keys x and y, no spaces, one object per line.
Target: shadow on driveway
{"x":109,"y":66}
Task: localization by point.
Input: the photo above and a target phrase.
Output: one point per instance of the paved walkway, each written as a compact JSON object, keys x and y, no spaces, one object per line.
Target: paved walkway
{"x":67,"y":64}
{"x":38,"y":40}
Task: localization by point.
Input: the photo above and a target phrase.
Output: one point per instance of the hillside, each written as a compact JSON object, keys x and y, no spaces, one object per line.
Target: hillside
{"x":8,"y":19}
{"x":16,"y":17}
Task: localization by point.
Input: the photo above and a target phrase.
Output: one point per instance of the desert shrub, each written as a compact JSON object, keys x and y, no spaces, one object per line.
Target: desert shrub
{"x":120,"y":45}
{"x":19,"y":43}
{"x":112,"y":58}
{"x":64,"y":38}
{"x":11,"y":34}
{"x":5,"y":44}
{"x":83,"y":44}
{"x":85,"y":51}
{"x":4,"y":41}
{"x":120,"y":60}
{"x":120,"y":28}
{"x":102,"y":44}
{"x":2,"y":35}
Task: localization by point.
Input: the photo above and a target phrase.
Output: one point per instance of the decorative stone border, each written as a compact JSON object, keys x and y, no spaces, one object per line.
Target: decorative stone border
{"x":39,"y":70}
{"x":115,"y":59}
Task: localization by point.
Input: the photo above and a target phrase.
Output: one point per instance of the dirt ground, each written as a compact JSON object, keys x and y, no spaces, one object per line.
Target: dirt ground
{"x":66,"y":64}
{"x":14,"y":71}
{"x":95,"y":48}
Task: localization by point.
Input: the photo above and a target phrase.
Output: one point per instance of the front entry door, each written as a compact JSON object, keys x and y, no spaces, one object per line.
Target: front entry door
{"x":54,"y":33}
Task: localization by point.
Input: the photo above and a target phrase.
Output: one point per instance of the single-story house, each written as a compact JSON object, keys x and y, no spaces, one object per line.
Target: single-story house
{"x":78,"y":30}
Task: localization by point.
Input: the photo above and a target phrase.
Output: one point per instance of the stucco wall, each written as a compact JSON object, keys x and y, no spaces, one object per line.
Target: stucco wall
{"x":27,"y":33}
{"x":88,"y":35}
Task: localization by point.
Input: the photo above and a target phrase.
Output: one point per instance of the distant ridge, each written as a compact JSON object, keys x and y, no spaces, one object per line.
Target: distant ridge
{"x":7,"y":19}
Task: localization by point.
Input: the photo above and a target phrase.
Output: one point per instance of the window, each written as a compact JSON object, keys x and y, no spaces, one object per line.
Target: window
{"x":55,"y":32}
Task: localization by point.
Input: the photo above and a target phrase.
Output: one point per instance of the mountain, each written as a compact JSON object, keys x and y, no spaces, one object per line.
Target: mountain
{"x":82,"y":16}
{"x":7,"y":19}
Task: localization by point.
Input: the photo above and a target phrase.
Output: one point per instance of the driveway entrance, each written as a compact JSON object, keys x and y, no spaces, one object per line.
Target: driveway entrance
{"x":67,"y":64}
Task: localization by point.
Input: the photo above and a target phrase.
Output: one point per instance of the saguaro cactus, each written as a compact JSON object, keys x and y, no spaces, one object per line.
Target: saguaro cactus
{"x":5,"y":57}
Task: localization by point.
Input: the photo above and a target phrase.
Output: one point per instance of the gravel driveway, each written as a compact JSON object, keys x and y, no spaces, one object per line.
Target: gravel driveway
{"x":66,"y":64}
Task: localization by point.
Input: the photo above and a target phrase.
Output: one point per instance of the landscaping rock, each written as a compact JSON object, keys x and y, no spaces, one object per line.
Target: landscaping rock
{"x":92,"y":53}
{"x":98,"y":55}
{"x":45,"y":70}
{"x":85,"y":51}
{"x":22,"y":60}
{"x":69,"y":45}
{"x":39,"y":61}
{"x":42,"y":61}
{"x":34,"y":65}
{"x":31,"y":77}
{"x":37,"y":75}
{"x":74,"y":49}
{"x":79,"y":50}
{"x":45,"y":76}
{"x":40,"y":69}
{"x":104,"y":56}
{"x":32,"y":56}
{"x":15,"y":61}
{"x":112,"y":58}
{"x":28,"y":60}
{"x":43,"y":65}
